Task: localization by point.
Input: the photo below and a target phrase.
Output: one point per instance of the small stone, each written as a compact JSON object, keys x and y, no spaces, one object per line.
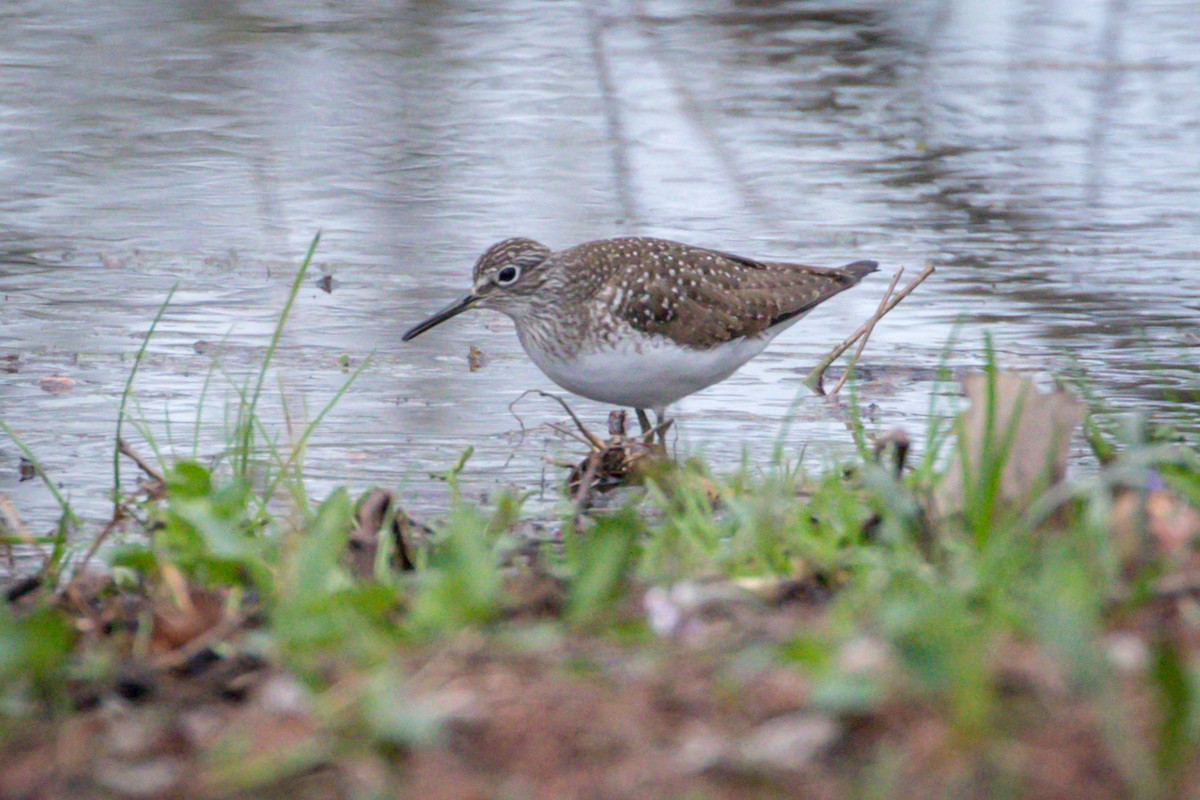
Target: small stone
{"x":862,"y":655}
{"x":459,"y":709}
{"x":1127,"y":652}
{"x":283,"y":695}
{"x":788,"y":743}
{"x":153,"y":777}
{"x":663,"y":615}
{"x":133,"y":735}
{"x":667,"y":609}
{"x":201,"y":727}
{"x":702,"y":750}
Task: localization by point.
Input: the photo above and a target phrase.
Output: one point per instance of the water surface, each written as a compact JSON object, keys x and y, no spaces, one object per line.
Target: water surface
{"x":1044,"y":155}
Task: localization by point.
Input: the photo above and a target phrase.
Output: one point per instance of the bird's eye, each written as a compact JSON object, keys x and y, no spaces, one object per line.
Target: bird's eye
{"x":507,"y":276}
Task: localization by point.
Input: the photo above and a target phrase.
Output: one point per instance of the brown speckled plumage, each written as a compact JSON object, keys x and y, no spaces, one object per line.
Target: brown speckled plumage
{"x":642,"y":322}
{"x":696,"y":297}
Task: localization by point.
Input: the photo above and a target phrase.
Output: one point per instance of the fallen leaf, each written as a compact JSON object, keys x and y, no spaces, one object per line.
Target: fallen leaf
{"x":1030,"y":430}
{"x":183,"y":615}
{"x":371,"y":516}
{"x":1159,"y":518}
{"x":1174,"y":524}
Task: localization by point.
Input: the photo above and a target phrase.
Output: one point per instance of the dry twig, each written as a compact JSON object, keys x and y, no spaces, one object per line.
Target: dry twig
{"x":815,"y":379}
{"x":585,"y":481}
{"x":11,"y":525}
{"x":215,"y":635}
{"x":117,"y":518}
{"x":862,"y":342}
{"x":591,"y":437}
{"x":565,"y":431}
{"x":128,"y":451}
{"x":159,"y":485}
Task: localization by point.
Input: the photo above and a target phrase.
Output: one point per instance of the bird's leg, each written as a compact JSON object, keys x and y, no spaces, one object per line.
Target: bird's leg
{"x":644,"y":421}
{"x":661,"y":423}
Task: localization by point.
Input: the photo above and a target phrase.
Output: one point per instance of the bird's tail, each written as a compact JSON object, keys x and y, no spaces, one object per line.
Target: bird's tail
{"x":860,"y":269}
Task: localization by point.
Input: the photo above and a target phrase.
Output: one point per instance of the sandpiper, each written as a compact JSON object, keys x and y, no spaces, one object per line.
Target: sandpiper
{"x":643,"y":322}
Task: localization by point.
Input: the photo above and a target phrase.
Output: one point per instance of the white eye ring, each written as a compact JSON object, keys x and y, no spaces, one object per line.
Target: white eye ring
{"x":508,"y":276}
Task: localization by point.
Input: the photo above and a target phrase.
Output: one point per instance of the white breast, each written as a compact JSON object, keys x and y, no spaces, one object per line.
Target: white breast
{"x":650,"y":372}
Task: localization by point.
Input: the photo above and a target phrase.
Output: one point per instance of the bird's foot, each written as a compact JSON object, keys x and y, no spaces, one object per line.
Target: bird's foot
{"x":651,"y":441}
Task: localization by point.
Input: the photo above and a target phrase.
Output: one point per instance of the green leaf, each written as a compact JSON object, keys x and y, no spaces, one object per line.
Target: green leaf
{"x":807,"y":652}
{"x":35,"y":645}
{"x":462,"y":584}
{"x":188,"y":479}
{"x":392,"y":714}
{"x":318,"y":554}
{"x":605,"y":555}
{"x":1168,"y":670}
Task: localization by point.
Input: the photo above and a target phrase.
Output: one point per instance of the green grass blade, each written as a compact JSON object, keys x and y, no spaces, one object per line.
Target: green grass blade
{"x":137,"y":363}
{"x":200,"y":410}
{"x":298,"y":448}
{"x":247,"y":430}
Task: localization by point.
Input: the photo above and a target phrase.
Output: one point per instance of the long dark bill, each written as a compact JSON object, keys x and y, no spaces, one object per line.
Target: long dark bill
{"x":452,"y":310}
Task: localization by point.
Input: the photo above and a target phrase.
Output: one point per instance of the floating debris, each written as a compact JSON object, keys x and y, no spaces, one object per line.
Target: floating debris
{"x":57,"y":384}
{"x":477,"y":359}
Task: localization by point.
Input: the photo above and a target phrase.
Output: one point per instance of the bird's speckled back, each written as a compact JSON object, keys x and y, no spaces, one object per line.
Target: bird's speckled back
{"x":697,"y":297}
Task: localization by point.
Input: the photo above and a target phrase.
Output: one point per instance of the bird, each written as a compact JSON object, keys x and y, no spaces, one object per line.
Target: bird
{"x":642,"y":322}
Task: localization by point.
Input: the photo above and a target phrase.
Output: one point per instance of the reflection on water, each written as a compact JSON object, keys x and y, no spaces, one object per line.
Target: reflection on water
{"x":1043,"y":155}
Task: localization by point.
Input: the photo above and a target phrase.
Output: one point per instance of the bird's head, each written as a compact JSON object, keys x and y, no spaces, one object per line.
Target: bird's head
{"x":506,"y":278}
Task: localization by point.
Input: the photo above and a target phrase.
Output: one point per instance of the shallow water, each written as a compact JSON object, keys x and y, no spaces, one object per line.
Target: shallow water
{"x":1044,"y":155}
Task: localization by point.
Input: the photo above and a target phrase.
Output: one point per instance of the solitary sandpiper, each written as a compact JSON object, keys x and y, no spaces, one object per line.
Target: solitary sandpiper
{"x":643,"y":322}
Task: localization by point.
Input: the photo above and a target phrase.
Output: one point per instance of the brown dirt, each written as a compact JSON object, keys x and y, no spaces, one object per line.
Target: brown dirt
{"x":574,"y":716}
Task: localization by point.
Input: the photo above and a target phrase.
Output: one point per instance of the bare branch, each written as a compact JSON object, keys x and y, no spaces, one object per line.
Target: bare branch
{"x":591,"y":437}
{"x":128,"y":451}
{"x":862,"y":342}
{"x":815,"y":378}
